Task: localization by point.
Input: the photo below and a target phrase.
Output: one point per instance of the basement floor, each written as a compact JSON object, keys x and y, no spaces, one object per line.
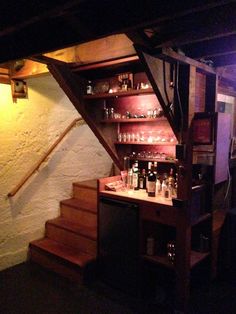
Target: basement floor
{"x":29,"y":289}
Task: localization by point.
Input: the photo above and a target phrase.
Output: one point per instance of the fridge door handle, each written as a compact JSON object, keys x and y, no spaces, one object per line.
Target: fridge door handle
{"x":113,"y":202}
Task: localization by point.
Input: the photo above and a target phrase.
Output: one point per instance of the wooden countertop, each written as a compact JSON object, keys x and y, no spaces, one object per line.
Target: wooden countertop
{"x":139,"y":195}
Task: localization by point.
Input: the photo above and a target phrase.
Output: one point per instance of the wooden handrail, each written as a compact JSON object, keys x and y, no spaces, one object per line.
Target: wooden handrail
{"x":38,"y":164}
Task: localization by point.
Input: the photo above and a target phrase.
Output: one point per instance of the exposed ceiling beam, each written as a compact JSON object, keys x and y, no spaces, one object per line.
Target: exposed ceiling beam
{"x":49,"y":9}
{"x":197,"y":27}
{"x":211,"y":48}
{"x":225,"y":60}
{"x":44,"y":28}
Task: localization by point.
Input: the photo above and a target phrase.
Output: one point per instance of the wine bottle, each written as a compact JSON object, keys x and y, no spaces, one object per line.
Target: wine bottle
{"x":149,"y":170}
{"x":135,"y":175}
{"x":152,"y":182}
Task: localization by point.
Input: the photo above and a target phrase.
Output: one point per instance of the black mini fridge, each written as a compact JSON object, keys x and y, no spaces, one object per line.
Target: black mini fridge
{"x":118,"y":232}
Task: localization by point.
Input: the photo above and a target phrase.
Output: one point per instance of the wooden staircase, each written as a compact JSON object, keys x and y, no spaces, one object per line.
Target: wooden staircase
{"x":70,"y":243}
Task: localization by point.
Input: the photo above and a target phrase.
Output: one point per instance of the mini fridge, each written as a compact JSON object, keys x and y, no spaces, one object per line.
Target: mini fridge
{"x":118,"y":241}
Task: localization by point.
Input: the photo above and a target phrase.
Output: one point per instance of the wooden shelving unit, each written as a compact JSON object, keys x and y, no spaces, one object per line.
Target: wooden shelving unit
{"x":190,"y":213}
{"x":133,"y":120}
{"x":146,"y":143}
{"x":166,"y":161}
{"x":132,"y":92}
{"x":195,"y":258}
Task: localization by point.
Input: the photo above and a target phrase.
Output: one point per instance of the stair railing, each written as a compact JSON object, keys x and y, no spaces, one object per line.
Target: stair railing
{"x":43,"y":158}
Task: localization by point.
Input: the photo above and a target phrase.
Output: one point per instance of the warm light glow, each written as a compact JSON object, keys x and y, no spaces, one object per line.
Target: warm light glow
{"x":10,"y":111}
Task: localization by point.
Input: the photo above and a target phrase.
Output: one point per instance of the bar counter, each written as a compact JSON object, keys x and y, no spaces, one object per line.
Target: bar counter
{"x":138,"y":196}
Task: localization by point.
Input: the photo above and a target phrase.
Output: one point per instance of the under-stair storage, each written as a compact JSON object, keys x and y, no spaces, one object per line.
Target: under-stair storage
{"x":143,"y":109}
{"x":70,"y":243}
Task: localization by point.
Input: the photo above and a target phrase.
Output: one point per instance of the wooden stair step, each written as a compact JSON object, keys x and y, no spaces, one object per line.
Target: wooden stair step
{"x":66,"y":261}
{"x":86,"y":193}
{"x":71,"y":209}
{"x":87,"y":231}
{"x":75,"y":203}
{"x":90,"y":184}
{"x":69,"y":238}
{"x":66,"y":253}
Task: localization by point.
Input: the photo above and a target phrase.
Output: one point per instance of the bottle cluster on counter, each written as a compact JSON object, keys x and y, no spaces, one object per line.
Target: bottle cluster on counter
{"x":155,"y":184}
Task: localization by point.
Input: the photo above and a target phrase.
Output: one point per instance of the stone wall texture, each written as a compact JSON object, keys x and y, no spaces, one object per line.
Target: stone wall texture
{"x":28,"y":127}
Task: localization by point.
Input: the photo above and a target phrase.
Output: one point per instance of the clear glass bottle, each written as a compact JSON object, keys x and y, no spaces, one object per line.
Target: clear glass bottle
{"x":158,"y":186}
{"x":135,"y":175}
{"x":89,"y":89}
{"x":149,"y":170}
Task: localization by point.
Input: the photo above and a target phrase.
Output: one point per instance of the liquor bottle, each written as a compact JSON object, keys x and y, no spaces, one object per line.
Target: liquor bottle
{"x":89,"y":89}
{"x":130,"y":179}
{"x":152,"y":182}
{"x":158,"y":186}
{"x":164,"y":186}
{"x":171,"y":183}
{"x":105,"y":111}
{"x":171,"y":178}
{"x":149,"y":170}
{"x":135,"y":175}
{"x":155,"y":168}
{"x":142,"y":179}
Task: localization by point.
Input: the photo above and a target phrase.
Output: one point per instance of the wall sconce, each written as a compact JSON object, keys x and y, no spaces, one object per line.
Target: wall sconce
{"x":19,"y":89}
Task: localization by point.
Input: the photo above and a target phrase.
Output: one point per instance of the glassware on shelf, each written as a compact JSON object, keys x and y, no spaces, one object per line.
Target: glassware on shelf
{"x":128,"y":135}
{"x":142,"y":154}
{"x":111,"y":113}
{"x":142,"y":138}
{"x":171,"y":251}
{"x":149,"y":155}
{"x":150,"y":137}
{"x":124,"y":137}
{"x":133,"y":137}
{"x":163,"y":156}
{"x":133,"y":155}
{"x":137,"y":137}
{"x":120,"y":137}
{"x":117,"y":115}
{"x":150,"y":113}
{"x":158,"y":136}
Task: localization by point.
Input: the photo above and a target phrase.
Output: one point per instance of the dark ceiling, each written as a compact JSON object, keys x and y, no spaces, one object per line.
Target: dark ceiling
{"x":203,"y":30}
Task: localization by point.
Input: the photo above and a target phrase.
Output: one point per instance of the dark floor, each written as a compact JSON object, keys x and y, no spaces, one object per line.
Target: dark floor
{"x":29,"y":289}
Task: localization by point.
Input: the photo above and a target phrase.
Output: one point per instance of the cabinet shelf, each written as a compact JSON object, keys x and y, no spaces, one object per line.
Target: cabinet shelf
{"x":147,"y":143}
{"x":132,"y":92}
{"x":133,"y":120}
{"x":195,"y":258}
{"x":201,"y":219}
{"x":167,"y":161}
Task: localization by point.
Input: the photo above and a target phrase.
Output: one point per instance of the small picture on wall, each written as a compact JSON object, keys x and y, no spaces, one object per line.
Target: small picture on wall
{"x":19,"y":89}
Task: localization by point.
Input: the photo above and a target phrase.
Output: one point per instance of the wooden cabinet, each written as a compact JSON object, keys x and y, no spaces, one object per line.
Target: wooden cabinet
{"x":170,"y":87}
{"x":132,"y":122}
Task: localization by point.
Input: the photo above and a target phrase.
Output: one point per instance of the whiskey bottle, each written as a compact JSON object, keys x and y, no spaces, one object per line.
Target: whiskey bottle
{"x":142,"y":179}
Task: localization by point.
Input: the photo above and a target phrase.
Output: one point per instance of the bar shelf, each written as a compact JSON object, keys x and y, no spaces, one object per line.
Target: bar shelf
{"x":132,"y":92}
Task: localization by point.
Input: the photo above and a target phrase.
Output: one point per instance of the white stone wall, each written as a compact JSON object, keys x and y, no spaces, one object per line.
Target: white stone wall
{"x":27,"y":129}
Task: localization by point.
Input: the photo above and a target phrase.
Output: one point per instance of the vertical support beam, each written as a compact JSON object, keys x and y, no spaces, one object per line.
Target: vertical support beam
{"x":183,"y":249}
{"x":186,"y":91}
{"x":186,"y":95}
{"x":211,"y":92}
